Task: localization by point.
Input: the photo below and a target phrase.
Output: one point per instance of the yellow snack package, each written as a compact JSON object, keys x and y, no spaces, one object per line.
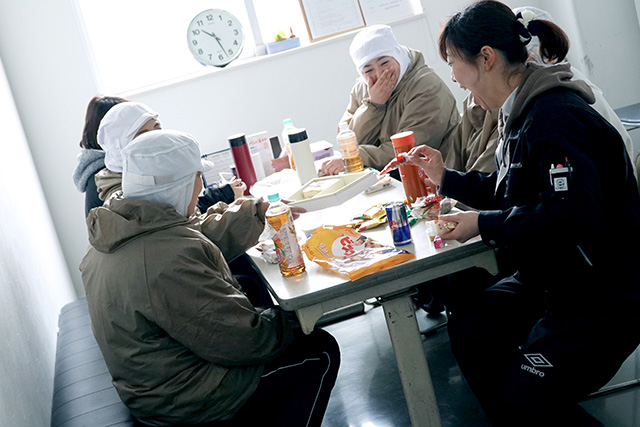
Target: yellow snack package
{"x":351,"y":254}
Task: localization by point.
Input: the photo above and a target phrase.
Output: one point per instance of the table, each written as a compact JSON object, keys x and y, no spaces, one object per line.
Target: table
{"x":318,"y":291}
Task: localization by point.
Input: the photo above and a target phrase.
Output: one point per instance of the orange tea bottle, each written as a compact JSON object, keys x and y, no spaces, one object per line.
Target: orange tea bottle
{"x":414,"y":186}
{"x":280,"y":219}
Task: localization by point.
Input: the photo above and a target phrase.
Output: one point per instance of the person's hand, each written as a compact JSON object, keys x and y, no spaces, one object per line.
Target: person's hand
{"x":466,"y":228}
{"x":295,"y":210}
{"x":429,"y":160}
{"x":332,"y":166}
{"x":380,"y":90}
{"x":238,"y":186}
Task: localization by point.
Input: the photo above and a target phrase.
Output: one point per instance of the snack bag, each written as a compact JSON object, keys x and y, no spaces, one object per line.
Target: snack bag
{"x":348,"y":253}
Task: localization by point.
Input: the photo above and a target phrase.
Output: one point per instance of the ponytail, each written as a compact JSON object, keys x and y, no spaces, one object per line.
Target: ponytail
{"x":492,"y":23}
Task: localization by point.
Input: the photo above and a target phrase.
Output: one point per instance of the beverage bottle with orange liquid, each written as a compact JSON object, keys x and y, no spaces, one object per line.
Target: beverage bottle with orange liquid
{"x":280,"y":219}
{"x":348,"y":145}
{"x":414,"y":186}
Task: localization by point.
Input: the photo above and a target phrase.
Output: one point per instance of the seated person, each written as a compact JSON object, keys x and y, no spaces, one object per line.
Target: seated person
{"x":180,"y":339}
{"x":396,"y":92}
{"x":91,"y":157}
{"x":473,"y":144}
{"x":123,"y":124}
{"x":535,"y":343}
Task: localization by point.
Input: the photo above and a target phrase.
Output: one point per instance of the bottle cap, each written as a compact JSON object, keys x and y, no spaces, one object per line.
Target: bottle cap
{"x":343,"y":126}
{"x":237,"y":140}
{"x":286,"y":122}
{"x":273,"y":197}
{"x":403,"y":139}
{"x":298,"y":136}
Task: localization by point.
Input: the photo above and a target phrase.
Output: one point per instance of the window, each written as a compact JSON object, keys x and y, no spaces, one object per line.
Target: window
{"x":144,"y":42}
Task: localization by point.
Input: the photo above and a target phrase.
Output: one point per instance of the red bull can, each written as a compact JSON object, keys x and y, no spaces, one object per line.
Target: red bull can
{"x":398,"y":223}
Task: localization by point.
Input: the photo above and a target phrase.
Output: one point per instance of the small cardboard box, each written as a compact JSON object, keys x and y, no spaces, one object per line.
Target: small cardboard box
{"x":335,"y":190}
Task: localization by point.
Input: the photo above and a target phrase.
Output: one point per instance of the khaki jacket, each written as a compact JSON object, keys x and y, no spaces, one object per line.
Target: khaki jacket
{"x":181,"y":341}
{"x":421,"y":103}
{"x":108,"y":183}
{"x":474,"y":142}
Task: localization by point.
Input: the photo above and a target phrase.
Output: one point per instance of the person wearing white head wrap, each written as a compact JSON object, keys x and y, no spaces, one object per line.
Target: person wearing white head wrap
{"x":396,"y":92}
{"x":119,"y":126}
{"x":161,"y":166}
{"x":601,"y":105}
{"x":175,"y":327}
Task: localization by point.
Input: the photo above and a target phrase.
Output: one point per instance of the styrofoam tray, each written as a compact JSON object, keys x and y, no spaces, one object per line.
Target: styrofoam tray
{"x":345,"y":187}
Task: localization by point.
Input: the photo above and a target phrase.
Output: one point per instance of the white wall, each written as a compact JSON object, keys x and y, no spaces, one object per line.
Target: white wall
{"x":34,"y":281}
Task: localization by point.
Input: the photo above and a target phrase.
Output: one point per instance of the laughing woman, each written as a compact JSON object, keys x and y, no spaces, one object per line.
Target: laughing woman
{"x":534,"y":344}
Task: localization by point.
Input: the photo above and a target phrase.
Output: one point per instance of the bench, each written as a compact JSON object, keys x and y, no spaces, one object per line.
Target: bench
{"x":83,"y":394}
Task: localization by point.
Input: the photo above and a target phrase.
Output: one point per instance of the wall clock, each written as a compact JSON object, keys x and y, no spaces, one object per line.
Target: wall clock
{"x":215,"y":37}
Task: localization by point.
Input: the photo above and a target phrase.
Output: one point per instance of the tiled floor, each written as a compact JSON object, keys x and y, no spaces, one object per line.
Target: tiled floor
{"x":368,"y":391}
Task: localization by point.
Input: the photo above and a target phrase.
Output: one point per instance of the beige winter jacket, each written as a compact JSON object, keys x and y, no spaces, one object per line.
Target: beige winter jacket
{"x":473,"y":144}
{"x":421,"y":103}
{"x":181,"y":341}
{"x":108,"y":183}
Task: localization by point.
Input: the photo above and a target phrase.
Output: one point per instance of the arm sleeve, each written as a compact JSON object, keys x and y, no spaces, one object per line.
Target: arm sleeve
{"x":571,"y":214}
{"x":233,"y":228}
{"x":428,"y":109}
{"x":213,"y":195}
{"x":364,"y":117}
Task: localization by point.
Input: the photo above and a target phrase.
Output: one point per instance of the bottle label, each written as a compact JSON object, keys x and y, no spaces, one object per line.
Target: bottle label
{"x":285,"y":240}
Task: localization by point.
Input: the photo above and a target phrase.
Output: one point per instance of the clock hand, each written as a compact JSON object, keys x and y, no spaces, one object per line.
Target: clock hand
{"x":209,"y":34}
{"x":218,"y":40}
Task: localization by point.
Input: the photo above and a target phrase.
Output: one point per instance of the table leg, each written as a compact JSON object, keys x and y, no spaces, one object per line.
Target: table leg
{"x":411,"y":360}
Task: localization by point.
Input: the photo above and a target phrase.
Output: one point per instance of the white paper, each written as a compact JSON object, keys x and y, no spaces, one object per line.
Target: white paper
{"x":260,"y":143}
{"x":328,"y":17}
{"x":222,"y":162}
{"x":257,"y":165}
{"x":386,"y":11}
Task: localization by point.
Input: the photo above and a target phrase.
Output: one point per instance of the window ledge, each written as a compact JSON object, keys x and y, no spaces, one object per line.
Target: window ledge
{"x":247,"y":62}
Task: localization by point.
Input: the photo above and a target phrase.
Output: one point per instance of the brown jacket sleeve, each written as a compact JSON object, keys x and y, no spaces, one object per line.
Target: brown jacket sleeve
{"x":233,"y":228}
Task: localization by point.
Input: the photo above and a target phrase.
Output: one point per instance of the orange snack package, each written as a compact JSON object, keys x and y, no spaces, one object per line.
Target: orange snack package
{"x":351,"y":254}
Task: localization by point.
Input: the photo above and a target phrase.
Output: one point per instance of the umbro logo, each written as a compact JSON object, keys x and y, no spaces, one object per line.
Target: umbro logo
{"x":538,"y":361}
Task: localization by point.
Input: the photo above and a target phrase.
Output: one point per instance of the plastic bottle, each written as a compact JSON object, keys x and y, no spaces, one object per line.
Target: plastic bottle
{"x":280,"y":219}
{"x":242,"y":158}
{"x":288,"y":128}
{"x":414,"y":187}
{"x":302,"y":155}
{"x":348,"y":145}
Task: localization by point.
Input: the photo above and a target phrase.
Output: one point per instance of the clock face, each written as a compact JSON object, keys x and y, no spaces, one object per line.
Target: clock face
{"x":215,"y":37}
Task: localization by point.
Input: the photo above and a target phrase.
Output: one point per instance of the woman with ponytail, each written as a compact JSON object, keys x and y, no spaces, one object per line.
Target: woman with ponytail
{"x":563,"y":212}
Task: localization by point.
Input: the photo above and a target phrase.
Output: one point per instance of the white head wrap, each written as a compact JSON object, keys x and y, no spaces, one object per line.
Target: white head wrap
{"x":117,"y":129}
{"x":528,"y":14}
{"x":160,"y":166}
{"x":376,"y":41}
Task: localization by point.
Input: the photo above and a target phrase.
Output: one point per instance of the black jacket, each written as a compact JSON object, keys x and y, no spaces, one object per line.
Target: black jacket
{"x":570,"y":242}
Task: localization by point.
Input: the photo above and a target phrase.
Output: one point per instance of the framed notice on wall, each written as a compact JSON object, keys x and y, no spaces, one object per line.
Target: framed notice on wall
{"x":326,"y":18}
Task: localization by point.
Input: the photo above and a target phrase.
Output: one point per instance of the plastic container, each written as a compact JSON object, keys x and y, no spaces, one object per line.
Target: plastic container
{"x":414,"y":187}
{"x":242,"y":159}
{"x":348,"y":145}
{"x":301,"y":151}
{"x":288,"y":128}
{"x":280,"y":220}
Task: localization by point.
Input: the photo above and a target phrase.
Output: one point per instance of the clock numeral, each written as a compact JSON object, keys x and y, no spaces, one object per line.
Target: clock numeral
{"x":209,"y":17}
{"x":200,"y":51}
{"x":235,"y":32}
{"x":200,"y":23}
{"x":220,"y":57}
{"x":220,"y":16}
{"x":194,"y":42}
{"x":230,"y":22}
{"x":195,"y":32}
{"x":230,"y":52}
{"x":235,"y":42}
